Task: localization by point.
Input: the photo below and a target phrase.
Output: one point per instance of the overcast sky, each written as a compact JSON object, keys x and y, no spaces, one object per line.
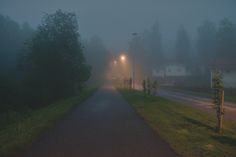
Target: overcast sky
{"x":115,"y":20}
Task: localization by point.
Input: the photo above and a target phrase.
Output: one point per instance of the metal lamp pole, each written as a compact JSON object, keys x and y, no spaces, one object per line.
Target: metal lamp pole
{"x":133,"y":66}
{"x":133,"y":70}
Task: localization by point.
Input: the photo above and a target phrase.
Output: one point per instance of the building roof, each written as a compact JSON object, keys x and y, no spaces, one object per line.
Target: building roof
{"x":223,"y":63}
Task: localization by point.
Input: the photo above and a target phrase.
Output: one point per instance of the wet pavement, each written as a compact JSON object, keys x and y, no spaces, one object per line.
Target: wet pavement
{"x":103,"y":126}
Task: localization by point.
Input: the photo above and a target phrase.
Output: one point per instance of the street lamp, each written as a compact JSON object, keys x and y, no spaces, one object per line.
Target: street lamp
{"x":123,"y":58}
{"x":133,"y":65}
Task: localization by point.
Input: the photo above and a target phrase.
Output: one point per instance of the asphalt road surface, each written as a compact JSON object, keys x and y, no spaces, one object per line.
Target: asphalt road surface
{"x":103,"y":126}
{"x":198,"y":102}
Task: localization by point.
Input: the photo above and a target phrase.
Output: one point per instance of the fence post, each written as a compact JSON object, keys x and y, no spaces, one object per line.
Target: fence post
{"x":221,"y":114}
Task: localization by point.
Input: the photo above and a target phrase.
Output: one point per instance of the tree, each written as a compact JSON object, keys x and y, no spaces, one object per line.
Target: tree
{"x":98,"y":57}
{"x":154,"y":87}
{"x":155,"y":44}
{"x":144,"y":86}
{"x":226,"y":39}
{"x":54,"y":66}
{"x":218,"y":98}
{"x":26,"y":31}
{"x":148,"y":86}
{"x":182,"y":46}
{"x":206,"y":43}
{"x":147,"y":48}
{"x":12,"y":37}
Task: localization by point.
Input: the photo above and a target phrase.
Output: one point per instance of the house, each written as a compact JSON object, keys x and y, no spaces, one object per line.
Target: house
{"x":172,"y":73}
{"x":228,"y":70}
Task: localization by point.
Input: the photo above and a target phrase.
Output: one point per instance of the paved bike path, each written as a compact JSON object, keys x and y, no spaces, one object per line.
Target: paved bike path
{"x":103,"y":126}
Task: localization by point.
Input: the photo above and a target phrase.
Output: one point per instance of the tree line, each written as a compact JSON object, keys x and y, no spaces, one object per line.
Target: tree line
{"x":213,"y":41}
{"x":216,"y":41}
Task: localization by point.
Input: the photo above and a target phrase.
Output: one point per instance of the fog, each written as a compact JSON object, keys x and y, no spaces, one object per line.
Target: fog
{"x":52,"y":49}
{"x":115,"y":20}
{"x":170,"y":60}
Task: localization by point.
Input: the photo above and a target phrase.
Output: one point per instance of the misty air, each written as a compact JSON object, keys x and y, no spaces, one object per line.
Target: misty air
{"x":117,"y":78}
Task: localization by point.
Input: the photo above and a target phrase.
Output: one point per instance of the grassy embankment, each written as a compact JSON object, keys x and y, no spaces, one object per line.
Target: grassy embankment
{"x":20,"y":129}
{"x":190,"y":132}
{"x":203,"y":92}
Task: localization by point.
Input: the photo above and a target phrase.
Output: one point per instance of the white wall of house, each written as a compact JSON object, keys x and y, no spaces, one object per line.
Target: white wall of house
{"x":158,"y":73}
{"x":176,"y":70}
{"x":171,"y":70}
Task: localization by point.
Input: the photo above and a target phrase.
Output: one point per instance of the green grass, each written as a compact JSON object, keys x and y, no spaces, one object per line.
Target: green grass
{"x":23,"y":128}
{"x":190,"y":132}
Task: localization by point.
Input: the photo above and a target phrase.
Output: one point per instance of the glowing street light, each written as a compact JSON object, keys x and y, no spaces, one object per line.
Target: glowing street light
{"x":122,"y":58}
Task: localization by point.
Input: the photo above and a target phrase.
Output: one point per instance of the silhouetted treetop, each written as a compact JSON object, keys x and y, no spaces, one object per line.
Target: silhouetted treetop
{"x":55,"y":64}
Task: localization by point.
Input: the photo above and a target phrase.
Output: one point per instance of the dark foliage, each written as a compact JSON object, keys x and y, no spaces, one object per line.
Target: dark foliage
{"x":54,"y":66}
{"x":182,"y":54}
{"x":12,"y":38}
{"x":216,"y":42}
{"x":147,"y":49}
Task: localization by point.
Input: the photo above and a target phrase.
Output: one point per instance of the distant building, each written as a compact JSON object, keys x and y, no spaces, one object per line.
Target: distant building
{"x":171,"y":73}
{"x":228,"y":69}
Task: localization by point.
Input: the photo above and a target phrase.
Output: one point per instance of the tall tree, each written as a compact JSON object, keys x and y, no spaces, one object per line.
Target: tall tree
{"x":55,"y":66}
{"x":98,"y":57}
{"x":182,"y":46}
{"x":12,"y":37}
{"x":226,"y":39}
{"x":10,"y":43}
{"x":26,"y":31}
{"x":206,"y":42}
{"x":147,"y":48}
{"x":155,"y":43}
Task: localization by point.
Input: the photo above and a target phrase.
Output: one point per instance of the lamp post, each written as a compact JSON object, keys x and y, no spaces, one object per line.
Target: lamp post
{"x":122,"y":60}
{"x":133,"y":65}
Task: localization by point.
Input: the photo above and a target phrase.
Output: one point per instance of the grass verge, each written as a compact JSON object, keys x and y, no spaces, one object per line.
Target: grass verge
{"x":190,"y":132}
{"x":27,"y":126}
